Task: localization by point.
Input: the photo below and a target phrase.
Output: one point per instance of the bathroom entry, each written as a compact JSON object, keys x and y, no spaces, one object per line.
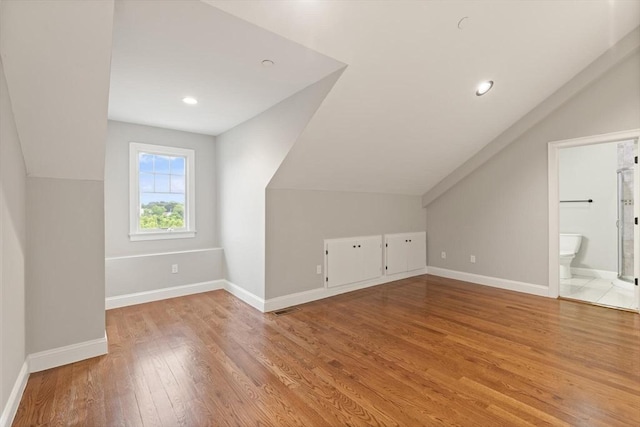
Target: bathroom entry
{"x":596,"y":188}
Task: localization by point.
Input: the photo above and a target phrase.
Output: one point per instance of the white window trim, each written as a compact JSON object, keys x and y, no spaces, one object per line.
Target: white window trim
{"x":135,"y":233}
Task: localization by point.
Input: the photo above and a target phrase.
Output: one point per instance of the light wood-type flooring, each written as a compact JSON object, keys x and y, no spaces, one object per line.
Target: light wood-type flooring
{"x":424,"y":351}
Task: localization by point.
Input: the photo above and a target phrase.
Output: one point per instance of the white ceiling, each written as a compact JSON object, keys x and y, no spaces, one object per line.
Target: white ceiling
{"x":164,"y":51}
{"x":404,"y":114}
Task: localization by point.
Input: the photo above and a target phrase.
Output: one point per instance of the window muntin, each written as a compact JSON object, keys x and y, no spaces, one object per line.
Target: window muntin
{"x":161,"y":192}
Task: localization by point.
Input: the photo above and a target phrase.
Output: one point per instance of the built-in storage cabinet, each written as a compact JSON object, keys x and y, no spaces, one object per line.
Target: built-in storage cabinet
{"x":405,"y":252}
{"x":352,"y":260}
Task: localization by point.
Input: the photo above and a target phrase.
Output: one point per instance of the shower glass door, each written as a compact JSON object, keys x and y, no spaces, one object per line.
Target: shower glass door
{"x":625,"y":224}
{"x":636,"y":229}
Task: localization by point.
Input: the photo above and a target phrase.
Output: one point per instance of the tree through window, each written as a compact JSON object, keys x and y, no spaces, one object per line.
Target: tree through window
{"x":162,"y":202}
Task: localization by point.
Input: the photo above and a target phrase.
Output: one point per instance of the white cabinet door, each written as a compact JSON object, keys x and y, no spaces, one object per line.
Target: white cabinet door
{"x":370,"y":254}
{"x":342,"y":261}
{"x":396,"y":251}
{"x":417,"y":251}
{"x":353,"y":260}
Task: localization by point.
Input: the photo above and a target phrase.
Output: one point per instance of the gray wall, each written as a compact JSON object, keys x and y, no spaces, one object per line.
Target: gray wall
{"x":247,"y":156}
{"x":126,"y":271}
{"x":65,"y":262}
{"x":590,"y":172}
{"x":141,"y":273}
{"x":116,"y":188}
{"x":12,"y":248}
{"x":500,"y":211}
{"x":298,"y":221}
{"x":59,"y":87}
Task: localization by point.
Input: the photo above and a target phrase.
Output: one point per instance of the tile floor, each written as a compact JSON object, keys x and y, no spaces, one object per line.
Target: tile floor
{"x":600,"y":291}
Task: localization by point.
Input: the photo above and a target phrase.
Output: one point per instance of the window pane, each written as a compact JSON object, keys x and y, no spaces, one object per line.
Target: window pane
{"x":146,"y":162}
{"x":161,"y":187}
{"x":177,"y":165}
{"x":162,"y":164}
{"x":177,"y":184}
{"x":162,"y":184}
{"x":162,"y":211}
{"x":146,"y":182}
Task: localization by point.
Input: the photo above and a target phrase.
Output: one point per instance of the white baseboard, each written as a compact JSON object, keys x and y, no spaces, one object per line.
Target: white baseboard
{"x":311,"y":295}
{"x":251,"y":299}
{"x":68,"y":354}
{"x":590,"y":272}
{"x":10,"y":409}
{"x":512,"y":285}
{"x":290,"y":300}
{"x":246,"y":296}
{"x":160,"y":294}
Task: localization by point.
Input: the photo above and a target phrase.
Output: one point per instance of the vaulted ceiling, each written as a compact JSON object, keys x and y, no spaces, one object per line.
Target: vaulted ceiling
{"x":164,"y":51}
{"x":402,"y":117}
{"x":404,"y":114}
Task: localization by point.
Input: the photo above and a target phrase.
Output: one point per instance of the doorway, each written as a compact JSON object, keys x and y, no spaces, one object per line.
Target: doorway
{"x":593,"y":239}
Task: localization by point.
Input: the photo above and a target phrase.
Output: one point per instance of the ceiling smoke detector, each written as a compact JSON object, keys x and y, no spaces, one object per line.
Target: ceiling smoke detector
{"x":267,"y":63}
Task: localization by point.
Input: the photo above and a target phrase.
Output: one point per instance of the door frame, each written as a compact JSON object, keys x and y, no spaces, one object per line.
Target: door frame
{"x":554,"y":199}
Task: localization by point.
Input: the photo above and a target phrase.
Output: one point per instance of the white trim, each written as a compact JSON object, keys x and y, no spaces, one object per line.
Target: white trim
{"x":189,"y":230}
{"x":495,"y":282}
{"x":68,"y":354}
{"x":636,"y":230}
{"x":347,"y":239}
{"x":590,"y":272}
{"x":554,"y":220}
{"x":251,"y":299}
{"x":246,"y":296}
{"x":162,"y":235}
{"x":554,"y":194}
{"x":285,"y":301}
{"x":10,"y":409}
{"x":160,"y":294}
{"x":162,"y":253}
{"x":597,"y":139}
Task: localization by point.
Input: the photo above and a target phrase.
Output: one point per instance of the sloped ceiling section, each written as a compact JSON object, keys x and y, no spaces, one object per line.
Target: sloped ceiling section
{"x":56,"y":56}
{"x":404,"y":114}
{"x":166,"y":50}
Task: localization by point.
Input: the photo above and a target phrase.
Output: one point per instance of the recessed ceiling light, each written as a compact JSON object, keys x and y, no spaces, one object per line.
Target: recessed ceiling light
{"x":484,"y":87}
{"x":190,"y":100}
{"x":267,"y":63}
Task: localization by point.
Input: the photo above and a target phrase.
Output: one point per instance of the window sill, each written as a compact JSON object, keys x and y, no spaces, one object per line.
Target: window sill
{"x":166,"y":235}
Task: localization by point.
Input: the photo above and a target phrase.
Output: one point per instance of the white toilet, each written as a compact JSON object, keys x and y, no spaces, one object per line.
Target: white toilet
{"x":569,"y":247}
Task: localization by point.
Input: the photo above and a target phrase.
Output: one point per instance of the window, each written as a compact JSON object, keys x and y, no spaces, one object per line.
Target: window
{"x":161,"y":190}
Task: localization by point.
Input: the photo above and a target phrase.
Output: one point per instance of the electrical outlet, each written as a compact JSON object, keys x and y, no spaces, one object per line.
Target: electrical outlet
{"x":472,"y":259}
{"x":318,"y":269}
{"x":174,"y":268}
{"x":443,"y":255}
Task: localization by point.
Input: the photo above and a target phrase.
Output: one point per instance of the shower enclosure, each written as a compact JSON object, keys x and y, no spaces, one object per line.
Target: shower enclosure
{"x":625,"y":224}
{"x":626,"y":151}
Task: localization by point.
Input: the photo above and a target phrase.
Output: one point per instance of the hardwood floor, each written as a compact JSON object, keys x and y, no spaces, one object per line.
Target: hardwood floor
{"x":421,"y":351}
